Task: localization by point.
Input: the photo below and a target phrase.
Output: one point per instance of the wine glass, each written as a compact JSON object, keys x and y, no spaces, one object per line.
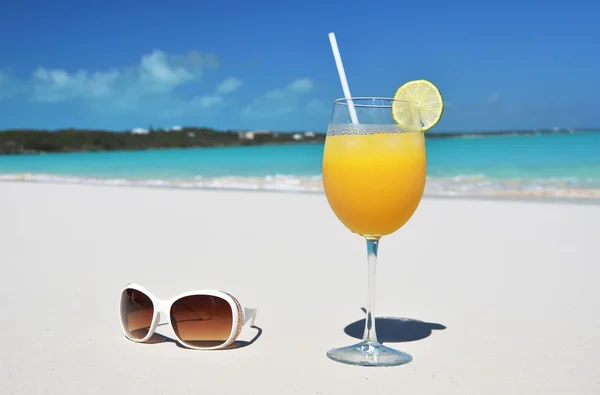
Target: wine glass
{"x":374,"y":177}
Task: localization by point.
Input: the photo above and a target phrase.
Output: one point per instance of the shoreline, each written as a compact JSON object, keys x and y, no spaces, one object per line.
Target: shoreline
{"x":577,"y":196}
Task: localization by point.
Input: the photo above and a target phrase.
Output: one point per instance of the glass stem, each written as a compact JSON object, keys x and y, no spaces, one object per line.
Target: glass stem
{"x":370,"y":334}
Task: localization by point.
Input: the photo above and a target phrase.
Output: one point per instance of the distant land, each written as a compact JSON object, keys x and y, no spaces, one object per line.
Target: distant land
{"x":76,"y":140}
{"x":15,"y":142}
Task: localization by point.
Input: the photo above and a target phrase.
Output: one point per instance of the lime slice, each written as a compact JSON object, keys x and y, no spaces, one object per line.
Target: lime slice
{"x":420,"y":107}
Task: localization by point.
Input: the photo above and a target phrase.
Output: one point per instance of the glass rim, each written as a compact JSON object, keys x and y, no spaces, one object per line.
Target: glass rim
{"x":358,"y":99}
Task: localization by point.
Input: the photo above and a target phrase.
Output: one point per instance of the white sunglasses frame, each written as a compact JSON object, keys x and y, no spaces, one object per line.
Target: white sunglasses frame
{"x":241,"y":315}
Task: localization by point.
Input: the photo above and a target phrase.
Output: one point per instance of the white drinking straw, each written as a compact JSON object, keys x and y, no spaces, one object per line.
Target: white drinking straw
{"x":340,"y":68}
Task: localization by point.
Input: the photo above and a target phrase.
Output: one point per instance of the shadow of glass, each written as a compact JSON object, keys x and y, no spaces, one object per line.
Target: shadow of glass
{"x":157,"y":338}
{"x":394,"y":330}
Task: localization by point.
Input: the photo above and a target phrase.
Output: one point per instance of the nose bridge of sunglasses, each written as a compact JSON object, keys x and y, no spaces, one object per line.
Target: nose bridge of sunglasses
{"x":161,"y":318}
{"x":162,"y":306}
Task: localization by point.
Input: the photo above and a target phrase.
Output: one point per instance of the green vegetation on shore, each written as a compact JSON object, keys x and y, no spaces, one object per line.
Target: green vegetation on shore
{"x":73,"y":140}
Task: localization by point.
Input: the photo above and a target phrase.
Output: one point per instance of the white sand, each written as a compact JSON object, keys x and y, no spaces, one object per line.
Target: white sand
{"x":516,"y":284}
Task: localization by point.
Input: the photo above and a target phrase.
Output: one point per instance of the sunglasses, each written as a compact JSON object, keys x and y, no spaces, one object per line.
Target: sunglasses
{"x":201,"y":320}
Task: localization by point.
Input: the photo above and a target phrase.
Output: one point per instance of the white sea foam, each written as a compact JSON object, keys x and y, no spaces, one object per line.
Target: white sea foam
{"x":467,"y":185}
{"x":269,"y":183}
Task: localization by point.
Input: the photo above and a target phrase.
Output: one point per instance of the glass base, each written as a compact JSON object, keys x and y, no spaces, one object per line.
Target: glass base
{"x":369,"y":354}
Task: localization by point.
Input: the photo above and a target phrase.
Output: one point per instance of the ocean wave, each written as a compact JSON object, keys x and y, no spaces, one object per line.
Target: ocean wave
{"x":460,"y":185}
{"x":268,"y":183}
{"x":480,"y":185}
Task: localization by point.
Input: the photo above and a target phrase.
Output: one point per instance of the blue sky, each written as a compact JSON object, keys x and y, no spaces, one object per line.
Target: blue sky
{"x":268,"y":64}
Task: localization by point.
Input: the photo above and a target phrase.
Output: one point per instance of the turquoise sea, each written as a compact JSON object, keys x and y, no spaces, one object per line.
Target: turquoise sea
{"x":558,"y":165}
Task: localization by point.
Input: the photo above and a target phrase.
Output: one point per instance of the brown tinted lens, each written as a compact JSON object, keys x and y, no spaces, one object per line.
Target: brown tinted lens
{"x":202,"y":320}
{"x":137,"y":311}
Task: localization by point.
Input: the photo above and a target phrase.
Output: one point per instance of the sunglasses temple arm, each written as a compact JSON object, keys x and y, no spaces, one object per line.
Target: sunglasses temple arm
{"x":249,"y":315}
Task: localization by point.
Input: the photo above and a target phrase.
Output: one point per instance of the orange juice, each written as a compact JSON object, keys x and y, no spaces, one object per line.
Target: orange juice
{"x":374,"y":182}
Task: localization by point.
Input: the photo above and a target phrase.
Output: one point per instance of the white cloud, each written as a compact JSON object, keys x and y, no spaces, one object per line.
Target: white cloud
{"x":279,"y":102}
{"x":58,"y":85}
{"x":228,"y":86}
{"x":159,"y":86}
{"x":302,"y":85}
{"x":195,"y":60}
{"x":225,"y":88}
{"x":156,"y":74}
{"x":207,"y":101}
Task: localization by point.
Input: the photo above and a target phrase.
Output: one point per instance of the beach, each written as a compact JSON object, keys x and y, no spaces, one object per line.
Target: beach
{"x":490,"y":296}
